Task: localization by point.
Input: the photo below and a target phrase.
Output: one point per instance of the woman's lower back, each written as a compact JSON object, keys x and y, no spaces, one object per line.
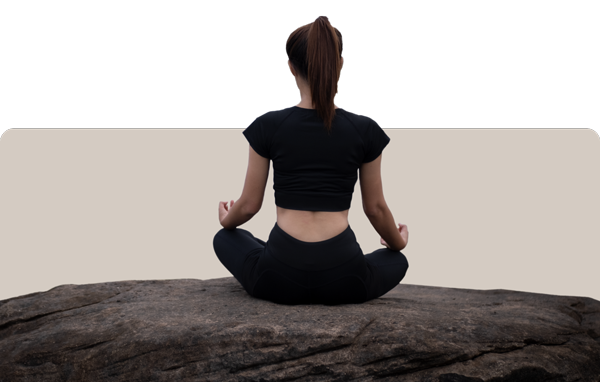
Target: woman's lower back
{"x":312,"y":226}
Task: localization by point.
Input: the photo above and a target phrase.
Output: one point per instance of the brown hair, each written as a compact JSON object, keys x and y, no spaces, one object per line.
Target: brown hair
{"x":315,"y":51}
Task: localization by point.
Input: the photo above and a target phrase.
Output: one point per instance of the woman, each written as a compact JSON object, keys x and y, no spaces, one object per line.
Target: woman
{"x":312,"y":256}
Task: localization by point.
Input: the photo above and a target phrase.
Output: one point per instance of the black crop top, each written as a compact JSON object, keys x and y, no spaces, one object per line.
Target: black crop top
{"x":312,"y":170}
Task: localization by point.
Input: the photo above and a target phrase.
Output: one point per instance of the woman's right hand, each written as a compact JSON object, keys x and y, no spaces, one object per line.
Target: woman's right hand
{"x":403,"y":228}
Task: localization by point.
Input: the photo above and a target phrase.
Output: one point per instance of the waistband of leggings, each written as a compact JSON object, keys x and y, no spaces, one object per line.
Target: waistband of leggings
{"x":314,"y":256}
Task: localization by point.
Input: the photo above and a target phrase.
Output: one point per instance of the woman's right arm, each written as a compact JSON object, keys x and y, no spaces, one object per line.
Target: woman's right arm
{"x":375,"y":206}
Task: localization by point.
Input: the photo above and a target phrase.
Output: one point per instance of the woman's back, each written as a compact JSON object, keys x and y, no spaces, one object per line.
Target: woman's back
{"x":312,"y":226}
{"x":315,"y":170}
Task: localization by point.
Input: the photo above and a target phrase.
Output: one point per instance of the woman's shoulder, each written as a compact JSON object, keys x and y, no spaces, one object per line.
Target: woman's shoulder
{"x":362,"y":123}
{"x":275,"y":117}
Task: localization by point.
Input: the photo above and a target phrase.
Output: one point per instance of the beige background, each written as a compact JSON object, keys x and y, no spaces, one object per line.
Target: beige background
{"x":486,"y":208}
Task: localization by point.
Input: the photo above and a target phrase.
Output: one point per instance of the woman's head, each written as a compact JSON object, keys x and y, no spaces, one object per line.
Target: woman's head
{"x":315,"y":52}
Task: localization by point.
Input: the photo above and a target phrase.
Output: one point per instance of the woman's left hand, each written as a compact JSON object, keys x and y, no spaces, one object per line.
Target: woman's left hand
{"x":224,"y":210}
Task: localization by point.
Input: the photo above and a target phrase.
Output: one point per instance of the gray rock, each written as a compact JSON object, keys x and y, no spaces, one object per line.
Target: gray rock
{"x":211,"y":330}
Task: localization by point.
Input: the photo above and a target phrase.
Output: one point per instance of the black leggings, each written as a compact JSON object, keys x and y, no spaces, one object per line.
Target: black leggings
{"x":289,"y":271}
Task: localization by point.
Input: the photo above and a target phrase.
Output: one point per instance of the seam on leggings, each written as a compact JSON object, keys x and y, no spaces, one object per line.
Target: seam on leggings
{"x":280,"y":274}
{"x":310,"y":287}
{"x":318,"y":270}
{"x":341,"y":277}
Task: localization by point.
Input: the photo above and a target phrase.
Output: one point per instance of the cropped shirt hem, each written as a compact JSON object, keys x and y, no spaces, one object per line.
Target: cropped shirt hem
{"x":316,"y":203}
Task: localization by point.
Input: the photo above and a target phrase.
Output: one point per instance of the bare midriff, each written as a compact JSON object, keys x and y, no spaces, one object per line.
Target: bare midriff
{"x":312,"y":226}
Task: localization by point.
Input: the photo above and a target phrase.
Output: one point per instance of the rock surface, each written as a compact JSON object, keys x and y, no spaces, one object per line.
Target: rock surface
{"x":211,"y":330}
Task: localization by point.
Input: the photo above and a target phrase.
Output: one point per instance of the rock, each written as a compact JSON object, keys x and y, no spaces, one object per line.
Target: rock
{"x":211,"y":330}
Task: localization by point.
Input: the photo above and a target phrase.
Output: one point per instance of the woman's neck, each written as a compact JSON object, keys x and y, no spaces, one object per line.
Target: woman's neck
{"x":306,"y":105}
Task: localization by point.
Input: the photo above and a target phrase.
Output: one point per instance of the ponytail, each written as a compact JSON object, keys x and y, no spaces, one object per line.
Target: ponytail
{"x":315,"y":51}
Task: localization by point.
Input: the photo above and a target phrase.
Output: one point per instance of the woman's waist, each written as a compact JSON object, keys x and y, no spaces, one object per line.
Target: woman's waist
{"x":312,"y":226}
{"x":311,"y":234}
{"x":318,"y":255}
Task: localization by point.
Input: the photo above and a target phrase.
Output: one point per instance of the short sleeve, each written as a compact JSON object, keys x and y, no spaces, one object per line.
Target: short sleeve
{"x":377,"y":139}
{"x":257,"y":137}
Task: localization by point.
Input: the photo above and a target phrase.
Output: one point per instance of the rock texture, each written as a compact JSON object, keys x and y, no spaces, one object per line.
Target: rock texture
{"x":194,"y":330}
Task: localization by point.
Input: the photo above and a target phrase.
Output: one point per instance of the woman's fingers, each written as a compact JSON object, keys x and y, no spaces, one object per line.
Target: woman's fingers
{"x":225,"y":205}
